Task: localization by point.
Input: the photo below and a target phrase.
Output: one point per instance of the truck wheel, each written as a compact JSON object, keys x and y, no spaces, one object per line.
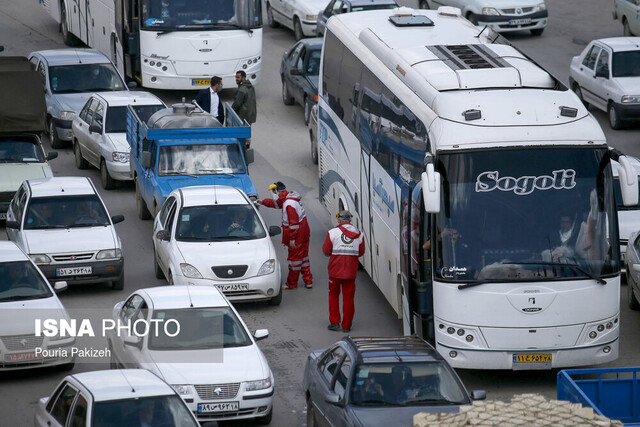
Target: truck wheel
{"x":141,"y":206}
{"x":81,"y":163}
{"x":53,"y":135}
{"x":108,"y":183}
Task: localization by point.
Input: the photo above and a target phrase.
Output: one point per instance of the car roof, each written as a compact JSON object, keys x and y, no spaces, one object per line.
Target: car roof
{"x":122,"y":384}
{"x":621,"y":44}
{"x":122,"y":98}
{"x":313,"y":42}
{"x":392,"y":349}
{"x":173,"y":297}
{"x":60,"y":186}
{"x":211,"y":195}
{"x":359,"y":3}
{"x":72,"y":56}
{"x":9,"y":251}
{"x":634,"y":162}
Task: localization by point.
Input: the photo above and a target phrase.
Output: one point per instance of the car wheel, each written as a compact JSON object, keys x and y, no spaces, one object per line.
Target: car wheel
{"x":272,"y":22}
{"x":277,"y":299}
{"x":578,"y":92}
{"x":266,"y":419}
{"x":626,"y":29}
{"x":311,"y":414}
{"x":156,"y":267}
{"x":424,"y":4}
{"x":286,"y":98}
{"x":53,"y":135}
{"x":307,"y":111}
{"x":314,"y":150}
{"x":537,"y":31}
{"x":297,"y":29}
{"x":108,"y":183}
{"x":614,"y":117}
{"x":633,"y":301}
{"x":118,"y":285}
{"x":472,"y":17}
{"x":81,"y":163}
{"x":141,"y":205}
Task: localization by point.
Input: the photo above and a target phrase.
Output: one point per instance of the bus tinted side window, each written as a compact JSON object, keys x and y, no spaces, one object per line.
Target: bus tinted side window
{"x":331,"y":70}
{"x":350,"y":73}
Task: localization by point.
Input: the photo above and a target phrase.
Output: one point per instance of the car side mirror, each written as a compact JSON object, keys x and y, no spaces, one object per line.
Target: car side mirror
{"x":478,"y":395}
{"x":249,"y":156}
{"x":117,"y":218}
{"x":145,"y":160}
{"x":333,"y":398}
{"x":163,"y":235}
{"x":60,"y":286}
{"x":52,"y":155}
{"x":131,"y":84}
{"x":602,"y":73}
{"x":295,"y":72}
{"x":274,"y":230}
{"x":260,"y":334}
{"x":133,"y":341}
{"x":12,"y":224}
{"x":95,"y":129}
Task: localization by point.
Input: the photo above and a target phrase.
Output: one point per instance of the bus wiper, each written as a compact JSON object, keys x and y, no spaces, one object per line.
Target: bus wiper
{"x":240,"y":27}
{"x":472,"y":284}
{"x":163,"y":32}
{"x":590,"y":275}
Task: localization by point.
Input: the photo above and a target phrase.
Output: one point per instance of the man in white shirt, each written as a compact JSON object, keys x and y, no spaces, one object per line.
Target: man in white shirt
{"x":209,"y":100}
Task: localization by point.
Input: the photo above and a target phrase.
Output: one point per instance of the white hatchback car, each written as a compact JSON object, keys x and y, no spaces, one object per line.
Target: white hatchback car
{"x":26,"y":296}
{"x":607,"y":75}
{"x":99,"y":132}
{"x":202,"y":348}
{"x":213,"y":235}
{"x":127,"y":397}
{"x":64,"y":226}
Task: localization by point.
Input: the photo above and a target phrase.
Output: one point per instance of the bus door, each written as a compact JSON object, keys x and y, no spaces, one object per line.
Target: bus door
{"x":405,"y":265}
{"x":131,"y":39}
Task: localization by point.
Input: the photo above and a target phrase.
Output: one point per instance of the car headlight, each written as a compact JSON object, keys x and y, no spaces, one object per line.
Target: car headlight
{"x":311,"y":17}
{"x":182,"y":389}
{"x":190,"y":271}
{"x":120,"y":157}
{"x":541,"y":7}
{"x":490,"y":11}
{"x":631,"y":99}
{"x":258,"y":385}
{"x":40,"y":258}
{"x":267,"y":268}
{"x":67,"y":115}
{"x":109,"y":254}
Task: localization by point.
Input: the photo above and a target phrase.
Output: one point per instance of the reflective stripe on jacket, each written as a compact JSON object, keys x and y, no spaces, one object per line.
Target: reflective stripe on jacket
{"x":345,"y":244}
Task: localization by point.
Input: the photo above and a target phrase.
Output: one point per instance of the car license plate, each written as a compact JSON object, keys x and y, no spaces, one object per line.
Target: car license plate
{"x":218,"y":407}
{"x":21,"y":357}
{"x":200,"y":82}
{"x":532,"y":361}
{"x":3,"y":216}
{"x":234,"y":287}
{"x":520,"y":21}
{"x":73,"y":271}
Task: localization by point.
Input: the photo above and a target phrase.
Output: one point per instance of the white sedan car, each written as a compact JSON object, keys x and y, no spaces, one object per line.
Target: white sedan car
{"x":213,"y":235}
{"x":202,"y":348}
{"x":299,"y":15}
{"x":607,"y":75}
{"x":25,"y":297}
{"x":128,"y":397}
{"x":99,"y":132}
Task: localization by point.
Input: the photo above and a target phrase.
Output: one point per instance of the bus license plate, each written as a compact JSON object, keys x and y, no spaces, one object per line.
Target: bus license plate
{"x":532,"y":361}
{"x":200,"y":82}
{"x":520,"y":21}
{"x":218,"y":407}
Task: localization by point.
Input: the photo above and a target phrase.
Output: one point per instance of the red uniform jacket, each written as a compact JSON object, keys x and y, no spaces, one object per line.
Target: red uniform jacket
{"x":294,"y":219}
{"x":345,"y":244}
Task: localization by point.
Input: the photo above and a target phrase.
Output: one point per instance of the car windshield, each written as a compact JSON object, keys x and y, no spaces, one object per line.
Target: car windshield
{"x":406,"y":384}
{"x":17,"y":150}
{"x":209,"y":159}
{"x":117,"y":116}
{"x":201,"y":14}
{"x":165,"y":411}
{"x":216,"y":223}
{"x":626,"y":64}
{"x":21,"y":281}
{"x":79,"y":78}
{"x":65,"y":212}
{"x":200,"y":328}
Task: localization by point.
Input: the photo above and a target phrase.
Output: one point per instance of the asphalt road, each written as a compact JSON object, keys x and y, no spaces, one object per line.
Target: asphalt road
{"x":281,"y":142}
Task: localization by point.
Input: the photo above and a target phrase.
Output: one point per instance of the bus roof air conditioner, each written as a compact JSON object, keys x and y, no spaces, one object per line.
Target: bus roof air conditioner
{"x":431,"y":184}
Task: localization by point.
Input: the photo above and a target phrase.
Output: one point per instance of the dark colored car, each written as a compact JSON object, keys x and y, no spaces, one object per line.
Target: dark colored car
{"x":299,"y":74}
{"x":380,"y":381}
{"x":337,"y":7}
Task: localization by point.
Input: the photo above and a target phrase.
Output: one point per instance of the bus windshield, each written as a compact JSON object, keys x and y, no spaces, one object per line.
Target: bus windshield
{"x":201,"y":14}
{"x":526,"y":215}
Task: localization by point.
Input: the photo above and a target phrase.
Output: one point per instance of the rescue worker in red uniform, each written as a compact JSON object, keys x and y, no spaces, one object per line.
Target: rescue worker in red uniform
{"x":295,"y":233}
{"x":344,"y":244}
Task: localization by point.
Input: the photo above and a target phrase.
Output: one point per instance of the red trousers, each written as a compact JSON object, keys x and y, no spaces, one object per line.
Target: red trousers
{"x":298,"y":260}
{"x":348,"y":291}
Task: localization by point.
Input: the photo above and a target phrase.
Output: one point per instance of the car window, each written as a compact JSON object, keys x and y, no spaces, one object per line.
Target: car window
{"x":313,"y":63}
{"x":85,"y":111}
{"x":21,"y":281}
{"x":329,"y":8}
{"x":602,"y":65}
{"x":20,"y":150}
{"x":79,"y":412}
{"x":295,"y":52}
{"x":170,"y":217}
{"x":66,"y":212}
{"x":626,"y":64}
{"x":145,"y":112}
{"x":98,"y":116}
{"x":17,"y":204}
{"x":154,"y":411}
{"x":91,"y":110}
{"x":43,"y":73}
{"x":300,"y":60}
{"x":131,"y":306}
{"x":168,"y":204}
{"x":330,"y":365}
{"x":589,"y":60}
{"x":78,"y":78}
{"x":217,"y":223}
{"x":62,"y":404}
{"x":337,"y":7}
{"x":343,"y":377}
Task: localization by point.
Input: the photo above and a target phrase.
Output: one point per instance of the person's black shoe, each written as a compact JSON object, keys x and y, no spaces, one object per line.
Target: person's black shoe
{"x":346,"y":330}
{"x":334,"y":327}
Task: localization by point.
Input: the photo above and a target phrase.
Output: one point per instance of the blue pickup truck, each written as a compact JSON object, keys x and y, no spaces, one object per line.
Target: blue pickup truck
{"x":184,"y":146}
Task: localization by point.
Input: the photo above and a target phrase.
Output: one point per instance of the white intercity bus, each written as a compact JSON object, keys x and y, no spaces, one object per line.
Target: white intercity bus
{"x":168,"y":44}
{"x":482,"y":185}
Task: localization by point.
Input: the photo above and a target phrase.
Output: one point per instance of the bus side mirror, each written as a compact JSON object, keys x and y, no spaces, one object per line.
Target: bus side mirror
{"x":628,"y":182}
{"x":145,"y":161}
{"x":249,"y":157}
{"x":431,"y":183}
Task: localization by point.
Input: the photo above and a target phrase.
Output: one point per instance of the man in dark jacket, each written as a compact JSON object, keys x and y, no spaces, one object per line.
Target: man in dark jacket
{"x":344,"y":244}
{"x":208,"y":98}
{"x":245,"y":102}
